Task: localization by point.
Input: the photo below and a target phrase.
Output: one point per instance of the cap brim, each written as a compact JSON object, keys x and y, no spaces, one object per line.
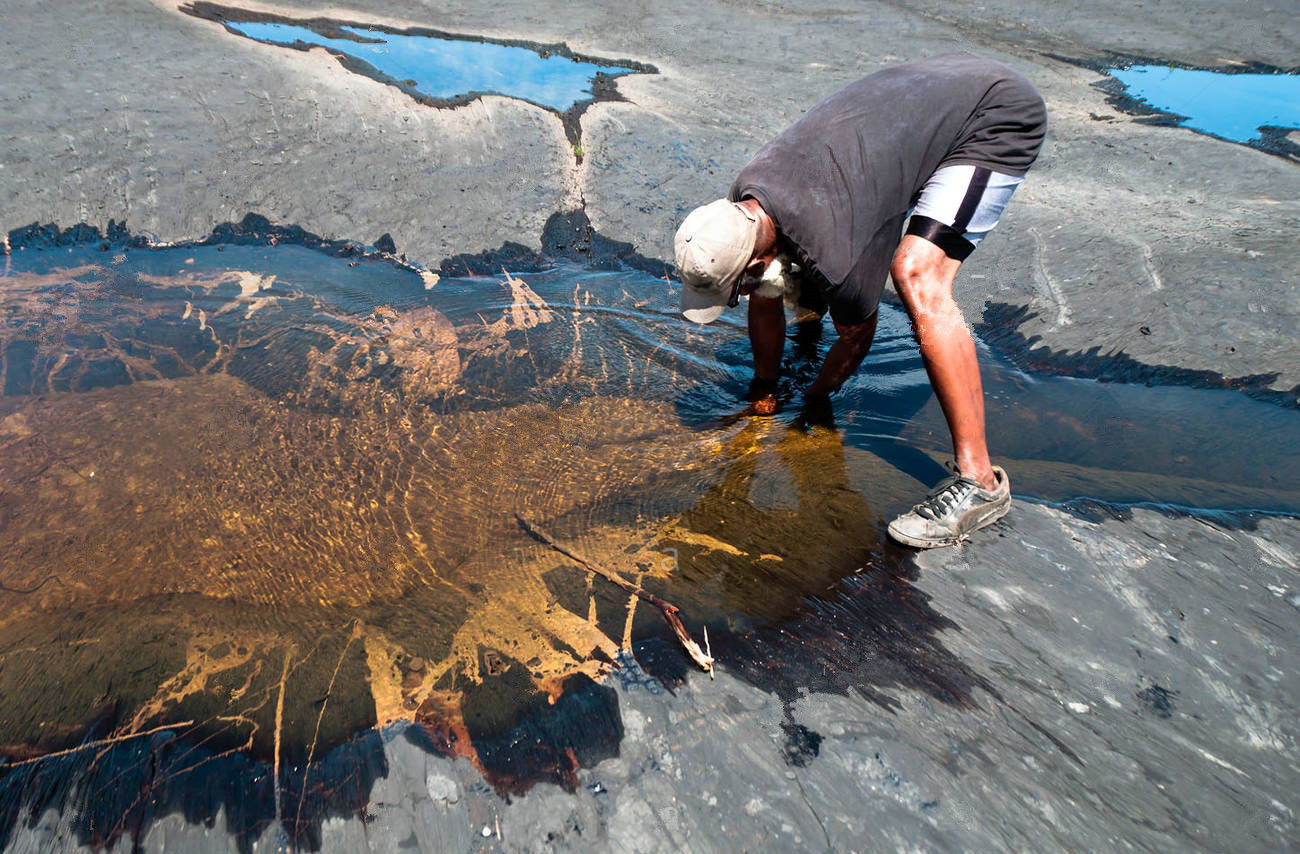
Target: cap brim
{"x":703,"y":315}
{"x":703,"y":306}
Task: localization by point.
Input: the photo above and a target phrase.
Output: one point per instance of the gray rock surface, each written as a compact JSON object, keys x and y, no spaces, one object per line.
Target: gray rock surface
{"x":1144,"y":665}
{"x":131,"y":112}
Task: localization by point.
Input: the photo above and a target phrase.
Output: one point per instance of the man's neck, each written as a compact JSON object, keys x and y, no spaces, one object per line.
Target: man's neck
{"x":765,"y":241}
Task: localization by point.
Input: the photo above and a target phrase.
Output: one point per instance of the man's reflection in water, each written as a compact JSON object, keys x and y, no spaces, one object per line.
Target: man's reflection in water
{"x":782,"y":523}
{"x":794,"y":559}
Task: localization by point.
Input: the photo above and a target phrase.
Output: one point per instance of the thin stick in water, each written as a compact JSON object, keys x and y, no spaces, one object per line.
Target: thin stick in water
{"x":666,"y":608}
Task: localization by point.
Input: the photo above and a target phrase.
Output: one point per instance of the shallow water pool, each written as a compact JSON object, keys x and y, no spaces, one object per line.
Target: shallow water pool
{"x":259,"y":500}
{"x":1235,"y":106}
{"x":438,"y":67}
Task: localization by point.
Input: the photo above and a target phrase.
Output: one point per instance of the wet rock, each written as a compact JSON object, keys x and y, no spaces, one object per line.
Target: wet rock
{"x":902,"y":762}
{"x":801,"y":744}
{"x":1157,"y":700}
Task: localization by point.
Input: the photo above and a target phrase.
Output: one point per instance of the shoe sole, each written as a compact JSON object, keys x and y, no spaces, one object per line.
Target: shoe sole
{"x":948,"y":541}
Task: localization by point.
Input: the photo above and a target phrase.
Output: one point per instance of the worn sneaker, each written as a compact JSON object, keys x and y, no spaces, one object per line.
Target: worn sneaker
{"x":957,"y":506}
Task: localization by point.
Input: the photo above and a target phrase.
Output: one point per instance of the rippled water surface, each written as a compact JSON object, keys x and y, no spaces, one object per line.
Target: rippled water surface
{"x":265,"y":498}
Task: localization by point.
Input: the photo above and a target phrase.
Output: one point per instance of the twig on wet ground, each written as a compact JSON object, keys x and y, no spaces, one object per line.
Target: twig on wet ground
{"x":666,"y":608}
{"x":103,"y":742}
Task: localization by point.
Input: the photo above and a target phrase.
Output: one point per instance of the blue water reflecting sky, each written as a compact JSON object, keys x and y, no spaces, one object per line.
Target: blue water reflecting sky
{"x":1231,"y":106}
{"x":447,"y":68}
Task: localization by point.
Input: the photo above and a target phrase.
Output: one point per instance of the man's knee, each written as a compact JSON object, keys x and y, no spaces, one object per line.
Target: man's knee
{"x":858,"y":334}
{"x":923,"y":276}
{"x":909,"y":267}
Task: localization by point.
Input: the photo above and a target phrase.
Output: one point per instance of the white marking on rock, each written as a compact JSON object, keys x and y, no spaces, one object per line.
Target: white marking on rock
{"x":1043,"y":278}
{"x":1217,"y":761}
{"x":1274,"y":554}
{"x":442,"y":788}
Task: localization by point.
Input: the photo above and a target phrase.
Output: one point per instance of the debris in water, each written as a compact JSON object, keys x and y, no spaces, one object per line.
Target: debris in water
{"x":669,"y":610}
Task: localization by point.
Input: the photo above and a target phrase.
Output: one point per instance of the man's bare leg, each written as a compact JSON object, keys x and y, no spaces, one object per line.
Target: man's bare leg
{"x":923,"y":276}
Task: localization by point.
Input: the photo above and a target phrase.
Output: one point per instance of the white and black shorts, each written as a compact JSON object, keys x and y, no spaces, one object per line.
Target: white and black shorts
{"x":959,"y":205}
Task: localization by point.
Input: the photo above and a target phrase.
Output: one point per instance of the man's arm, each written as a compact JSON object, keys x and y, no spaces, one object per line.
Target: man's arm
{"x":845,"y":355}
{"x":767,"y":335}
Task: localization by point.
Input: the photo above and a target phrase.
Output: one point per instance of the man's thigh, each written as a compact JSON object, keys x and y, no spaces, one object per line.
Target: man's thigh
{"x":959,"y":205}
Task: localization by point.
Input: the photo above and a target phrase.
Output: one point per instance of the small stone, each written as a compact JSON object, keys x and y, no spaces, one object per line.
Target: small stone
{"x":416,"y":664}
{"x":485,"y":832}
{"x":442,"y":788}
{"x":1079,"y":708}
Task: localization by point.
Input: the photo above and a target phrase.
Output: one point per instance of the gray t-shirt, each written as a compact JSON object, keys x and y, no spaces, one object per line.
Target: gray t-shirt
{"x":839,"y":182}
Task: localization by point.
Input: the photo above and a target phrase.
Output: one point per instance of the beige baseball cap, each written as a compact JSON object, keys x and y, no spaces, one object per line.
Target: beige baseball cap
{"x":713,"y":245}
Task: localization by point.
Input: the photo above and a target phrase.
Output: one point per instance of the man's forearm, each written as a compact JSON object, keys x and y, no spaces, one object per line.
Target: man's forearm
{"x":767,"y":336}
{"x":844,"y":356}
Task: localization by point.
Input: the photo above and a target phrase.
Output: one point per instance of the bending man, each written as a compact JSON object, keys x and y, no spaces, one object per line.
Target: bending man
{"x":820,"y":209}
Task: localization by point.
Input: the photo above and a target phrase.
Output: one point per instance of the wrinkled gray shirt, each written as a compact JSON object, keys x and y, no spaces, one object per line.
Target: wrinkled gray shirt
{"x":839,"y":182}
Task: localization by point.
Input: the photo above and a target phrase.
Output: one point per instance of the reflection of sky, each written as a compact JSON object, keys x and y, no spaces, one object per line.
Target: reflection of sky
{"x":446,"y":68}
{"x":1232,"y":106}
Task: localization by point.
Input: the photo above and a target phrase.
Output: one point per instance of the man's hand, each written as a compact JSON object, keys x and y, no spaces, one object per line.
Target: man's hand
{"x":762,"y":397}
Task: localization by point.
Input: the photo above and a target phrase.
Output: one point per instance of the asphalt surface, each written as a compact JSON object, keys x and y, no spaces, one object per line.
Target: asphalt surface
{"x":1125,"y":676}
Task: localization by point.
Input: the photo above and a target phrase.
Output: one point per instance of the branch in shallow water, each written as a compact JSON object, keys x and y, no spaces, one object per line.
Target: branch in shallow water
{"x":39,"y":585}
{"x":666,"y":608}
{"x":103,"y":742}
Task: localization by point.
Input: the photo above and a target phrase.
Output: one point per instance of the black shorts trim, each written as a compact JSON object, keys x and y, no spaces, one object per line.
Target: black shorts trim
{"x":974,"y":193}
{"x":946,"y":237}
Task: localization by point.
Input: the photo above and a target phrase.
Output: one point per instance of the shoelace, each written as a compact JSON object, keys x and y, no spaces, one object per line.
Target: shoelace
{"x":947,"y":495}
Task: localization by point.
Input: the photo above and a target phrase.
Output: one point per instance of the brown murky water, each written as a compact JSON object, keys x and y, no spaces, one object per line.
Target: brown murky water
{"x":268,"y":512}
